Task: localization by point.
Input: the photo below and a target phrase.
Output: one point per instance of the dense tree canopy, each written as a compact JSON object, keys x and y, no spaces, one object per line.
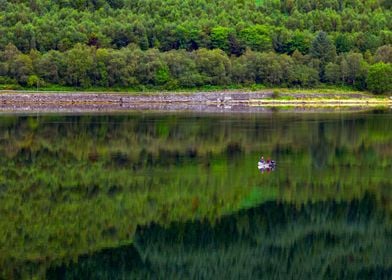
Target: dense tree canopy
{"x":60,"y":41}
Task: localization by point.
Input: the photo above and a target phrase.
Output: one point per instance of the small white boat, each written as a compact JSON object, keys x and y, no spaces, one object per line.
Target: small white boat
{"x":266,"y":165}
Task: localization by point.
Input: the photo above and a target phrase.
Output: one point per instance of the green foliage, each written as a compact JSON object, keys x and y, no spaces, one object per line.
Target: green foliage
{"x":220,"y":38}
{"x":34,"y":81}
{"x":79,"y":62}
{"x":59,"y":25}
{"x":214,"y":66}
{"x":343,"y":43}
{"x":108,"y":43}
{"x":162,"y":75}
{"x":304,"y":76}
{"x":332,"y":73}
{"x":257,"y":37}
{"x":379,"y":79}
{"x":384,"y":54}
{"x":322,"y":48}
{"x":324,"y":51}
{"x":20,"y":68}
{"x":357,"y":70}
{"x":84,"y":66}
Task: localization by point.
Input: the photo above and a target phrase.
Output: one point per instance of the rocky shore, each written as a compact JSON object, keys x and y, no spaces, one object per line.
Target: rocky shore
{"x":236,"y":101}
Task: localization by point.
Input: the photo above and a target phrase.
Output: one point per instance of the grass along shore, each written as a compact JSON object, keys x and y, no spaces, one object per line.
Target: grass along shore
{"x":322,"y":88}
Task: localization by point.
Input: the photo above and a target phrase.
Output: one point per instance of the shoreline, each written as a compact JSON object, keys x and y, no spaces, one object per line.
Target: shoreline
{"x":215,"y":101}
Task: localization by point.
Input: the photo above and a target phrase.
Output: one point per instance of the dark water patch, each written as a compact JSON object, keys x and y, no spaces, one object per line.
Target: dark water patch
{"x":273,"y":240}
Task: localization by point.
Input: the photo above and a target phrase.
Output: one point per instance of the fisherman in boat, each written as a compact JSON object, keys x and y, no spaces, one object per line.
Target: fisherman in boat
{"x":268,"y":165}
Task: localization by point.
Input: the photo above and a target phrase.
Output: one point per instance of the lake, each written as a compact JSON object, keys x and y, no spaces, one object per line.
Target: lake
{"x":146,"y":195}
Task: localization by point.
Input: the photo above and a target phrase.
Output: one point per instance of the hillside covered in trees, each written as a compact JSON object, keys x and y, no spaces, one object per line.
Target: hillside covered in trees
{"x":192,"y":43}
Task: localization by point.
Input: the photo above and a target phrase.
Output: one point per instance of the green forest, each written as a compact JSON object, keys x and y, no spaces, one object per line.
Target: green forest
{"x":178,"y":44}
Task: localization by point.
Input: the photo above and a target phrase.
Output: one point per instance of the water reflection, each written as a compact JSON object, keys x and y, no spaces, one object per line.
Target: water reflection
{"x":332,"y":240}
{"x":178,"y":195}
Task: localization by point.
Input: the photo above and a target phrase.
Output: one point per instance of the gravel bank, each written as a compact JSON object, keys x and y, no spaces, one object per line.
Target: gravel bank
{"x":236,"y":101}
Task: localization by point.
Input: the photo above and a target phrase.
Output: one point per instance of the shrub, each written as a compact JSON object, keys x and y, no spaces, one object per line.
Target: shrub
{"x":379,"y":79}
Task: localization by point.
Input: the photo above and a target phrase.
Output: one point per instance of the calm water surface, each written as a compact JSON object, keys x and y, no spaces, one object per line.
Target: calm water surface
{"x":179,"y":196}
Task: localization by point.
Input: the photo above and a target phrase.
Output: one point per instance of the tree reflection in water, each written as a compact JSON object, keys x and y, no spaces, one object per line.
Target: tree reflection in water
{"x":350,"y":240}
{"x":178,"y":195}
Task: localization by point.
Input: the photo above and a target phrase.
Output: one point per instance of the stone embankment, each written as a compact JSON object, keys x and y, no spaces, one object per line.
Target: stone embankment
{"x":16,"y":101}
